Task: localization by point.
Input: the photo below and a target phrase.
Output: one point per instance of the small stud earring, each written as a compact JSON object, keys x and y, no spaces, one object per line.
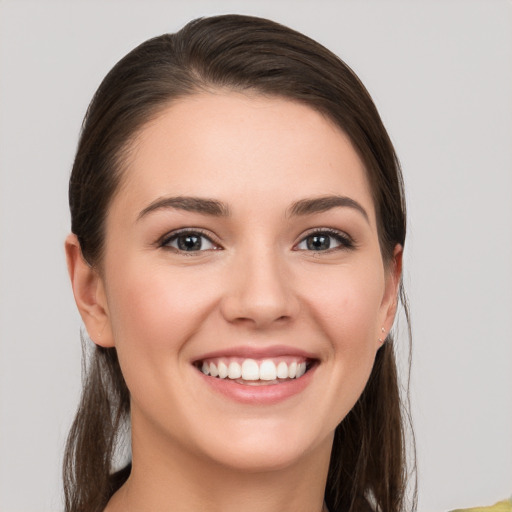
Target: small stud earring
{"x":383,"y":331}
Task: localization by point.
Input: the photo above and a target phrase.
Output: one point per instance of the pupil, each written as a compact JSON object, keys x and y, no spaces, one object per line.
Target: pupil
{"x":318,"y":242}
{"x":189,"y":243}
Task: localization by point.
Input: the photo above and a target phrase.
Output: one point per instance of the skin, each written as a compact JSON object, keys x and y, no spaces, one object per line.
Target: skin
{"x":256,"y":285}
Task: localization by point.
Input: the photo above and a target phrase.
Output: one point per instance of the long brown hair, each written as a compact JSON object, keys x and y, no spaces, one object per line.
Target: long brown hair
{"x":237,"y":53}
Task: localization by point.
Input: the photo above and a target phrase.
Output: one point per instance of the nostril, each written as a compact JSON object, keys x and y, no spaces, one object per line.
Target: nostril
{"x":259,"y":313}
{"x":259,"y":292}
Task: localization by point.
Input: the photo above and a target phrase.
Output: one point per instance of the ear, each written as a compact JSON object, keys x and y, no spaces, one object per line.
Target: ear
{"x":390,"y":299}
{"x":89,"y":292}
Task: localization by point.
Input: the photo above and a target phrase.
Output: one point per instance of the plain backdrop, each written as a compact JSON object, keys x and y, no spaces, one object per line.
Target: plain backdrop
{"x":440,"y":73}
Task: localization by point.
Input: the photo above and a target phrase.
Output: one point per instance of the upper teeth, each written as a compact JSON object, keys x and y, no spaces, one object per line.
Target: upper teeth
{"x":250,"y":369}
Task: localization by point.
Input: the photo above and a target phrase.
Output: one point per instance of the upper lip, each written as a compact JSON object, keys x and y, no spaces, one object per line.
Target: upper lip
{"x":252,"y":352}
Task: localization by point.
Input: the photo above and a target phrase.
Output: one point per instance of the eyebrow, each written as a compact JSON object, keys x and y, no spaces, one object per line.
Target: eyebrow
{"x":189,"y":204}
{"x":216,"y":208}
{"x":324,"y":203}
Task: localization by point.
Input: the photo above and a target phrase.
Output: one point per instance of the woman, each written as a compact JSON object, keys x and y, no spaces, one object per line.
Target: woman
{"x":238,"y":224}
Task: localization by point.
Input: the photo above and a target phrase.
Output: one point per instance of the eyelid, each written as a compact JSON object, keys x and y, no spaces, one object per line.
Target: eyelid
{"x":171,"y":235}
{"x":344,"y":239}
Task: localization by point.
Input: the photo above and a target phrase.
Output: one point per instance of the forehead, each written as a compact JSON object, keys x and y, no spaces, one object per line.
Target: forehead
{"x":231,"y":145}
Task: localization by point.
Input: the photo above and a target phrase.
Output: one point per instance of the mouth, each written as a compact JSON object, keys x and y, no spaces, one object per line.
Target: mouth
{"x":256,"y":372}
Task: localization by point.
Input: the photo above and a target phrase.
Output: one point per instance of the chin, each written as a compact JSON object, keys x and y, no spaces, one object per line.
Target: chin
{"x":266,"y":448}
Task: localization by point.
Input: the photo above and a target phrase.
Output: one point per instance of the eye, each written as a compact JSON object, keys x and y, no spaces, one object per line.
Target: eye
{"x":325,"y":240}
{"x":189,"y":241}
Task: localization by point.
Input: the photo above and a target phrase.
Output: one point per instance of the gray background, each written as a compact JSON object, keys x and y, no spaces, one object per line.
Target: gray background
{"x":441,"y":74}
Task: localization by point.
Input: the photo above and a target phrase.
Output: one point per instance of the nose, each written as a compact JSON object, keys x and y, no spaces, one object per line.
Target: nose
{"x":259,"y":291}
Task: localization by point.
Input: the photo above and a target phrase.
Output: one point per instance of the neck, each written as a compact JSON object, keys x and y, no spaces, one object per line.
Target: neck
{"x":175,"y":480}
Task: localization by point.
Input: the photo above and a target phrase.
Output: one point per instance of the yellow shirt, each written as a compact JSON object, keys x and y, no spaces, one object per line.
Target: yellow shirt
{"x":502,"y":506}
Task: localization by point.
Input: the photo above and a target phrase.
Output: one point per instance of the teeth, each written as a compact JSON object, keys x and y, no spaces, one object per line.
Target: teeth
{"x":213,"y":370}
{"x":223,"y":370}
{"x":282,"y":370}
{"x":234,"y":370}
{"x":268,"y":370}
{"x":252,"y":370}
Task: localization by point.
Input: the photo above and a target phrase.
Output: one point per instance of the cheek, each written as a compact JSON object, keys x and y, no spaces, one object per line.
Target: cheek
{"x":152,"y":305}
{"x":343,"y":306}
{"x":347,"y":304}
{"x":153,"y":313}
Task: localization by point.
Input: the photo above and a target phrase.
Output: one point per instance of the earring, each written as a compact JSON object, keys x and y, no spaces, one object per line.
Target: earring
{"x":383,"y":332}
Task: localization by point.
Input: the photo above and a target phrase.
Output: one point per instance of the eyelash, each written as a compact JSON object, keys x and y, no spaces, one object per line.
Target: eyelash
{"x":345,"y":242}
{"x":175,"y":235}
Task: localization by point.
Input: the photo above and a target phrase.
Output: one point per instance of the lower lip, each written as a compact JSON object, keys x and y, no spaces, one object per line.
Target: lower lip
{"x":264,"y":394}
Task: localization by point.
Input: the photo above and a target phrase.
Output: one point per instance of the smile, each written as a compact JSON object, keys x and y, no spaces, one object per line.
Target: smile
{"x":257,"y":376}
{"x":255,"y":372}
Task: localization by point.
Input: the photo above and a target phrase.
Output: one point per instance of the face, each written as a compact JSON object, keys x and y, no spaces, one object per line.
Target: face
{"x":242,"y":282}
